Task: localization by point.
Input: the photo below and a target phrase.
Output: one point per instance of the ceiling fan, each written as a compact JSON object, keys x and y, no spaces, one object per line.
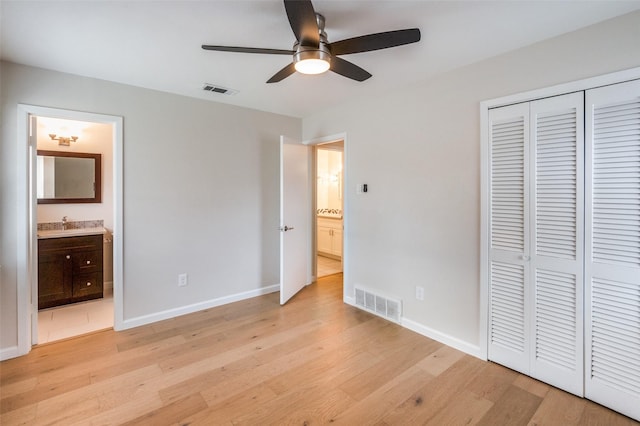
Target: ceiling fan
{"x":313,"y":54}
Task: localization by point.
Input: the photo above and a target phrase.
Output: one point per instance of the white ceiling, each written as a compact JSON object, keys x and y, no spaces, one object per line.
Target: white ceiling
{"x":156,"y":44}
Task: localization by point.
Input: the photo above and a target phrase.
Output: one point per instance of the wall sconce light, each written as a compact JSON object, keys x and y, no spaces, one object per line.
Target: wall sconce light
{"x":63,"y":141}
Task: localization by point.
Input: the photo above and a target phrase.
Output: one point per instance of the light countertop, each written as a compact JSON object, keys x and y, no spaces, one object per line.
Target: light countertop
{"x":59,"y":233}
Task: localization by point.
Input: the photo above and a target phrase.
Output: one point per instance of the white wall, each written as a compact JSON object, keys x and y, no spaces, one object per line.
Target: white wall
{"x":419,"y":223}
{"x":200,"y":190}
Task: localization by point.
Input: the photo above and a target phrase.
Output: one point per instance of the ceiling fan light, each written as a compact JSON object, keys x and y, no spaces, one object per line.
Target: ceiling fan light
{"x":311,"y":60}
{"x":312,"y":66}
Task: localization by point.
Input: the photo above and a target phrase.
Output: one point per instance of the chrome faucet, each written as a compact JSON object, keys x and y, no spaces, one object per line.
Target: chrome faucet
{"x":64,"y":222}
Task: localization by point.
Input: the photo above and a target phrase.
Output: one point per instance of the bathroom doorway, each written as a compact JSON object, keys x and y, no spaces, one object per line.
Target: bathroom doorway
{"x":29,"y":217}
{"x":329,"y":203}
{"x":74,"y":209}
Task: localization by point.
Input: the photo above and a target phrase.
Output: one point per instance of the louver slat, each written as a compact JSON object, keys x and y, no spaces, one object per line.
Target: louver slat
{"x":616,"y":184}
{"x":555,"y":318}
{"x":615,"y":344}
{"x":507,"y":302}
{"x":556,"y":179}
{"x":507,"y":185}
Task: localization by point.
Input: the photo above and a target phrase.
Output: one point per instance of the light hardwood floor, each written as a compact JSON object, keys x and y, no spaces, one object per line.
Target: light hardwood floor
{"x":315,"y":360}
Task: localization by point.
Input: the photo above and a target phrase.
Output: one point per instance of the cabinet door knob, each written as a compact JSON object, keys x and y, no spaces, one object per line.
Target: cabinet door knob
{"x":88,"y":284}
{"x":68,"y":256}
{"x":88,"y":262}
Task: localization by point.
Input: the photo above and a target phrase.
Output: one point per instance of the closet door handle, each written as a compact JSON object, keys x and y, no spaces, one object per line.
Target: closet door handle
{"x":525,"y":258}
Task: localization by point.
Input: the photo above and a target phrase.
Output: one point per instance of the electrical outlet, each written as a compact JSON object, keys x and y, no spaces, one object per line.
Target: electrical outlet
{"x":419,"y":293}
{"x":183,"y":280}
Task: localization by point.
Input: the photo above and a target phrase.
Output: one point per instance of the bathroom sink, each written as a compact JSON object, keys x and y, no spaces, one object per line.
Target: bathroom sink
{"x":59,"y":233}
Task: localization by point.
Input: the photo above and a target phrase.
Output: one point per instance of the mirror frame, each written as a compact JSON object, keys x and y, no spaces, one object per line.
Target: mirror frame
{"x":97,"y":178}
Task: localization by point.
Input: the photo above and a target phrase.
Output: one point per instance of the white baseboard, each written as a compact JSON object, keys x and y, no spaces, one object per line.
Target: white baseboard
{"x":8,"y":353}
{"x":189,"y":309}
{"x":448,"y":340}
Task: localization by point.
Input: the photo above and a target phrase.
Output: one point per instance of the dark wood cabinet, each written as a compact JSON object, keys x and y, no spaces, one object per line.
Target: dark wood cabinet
{"x":69,"y":270}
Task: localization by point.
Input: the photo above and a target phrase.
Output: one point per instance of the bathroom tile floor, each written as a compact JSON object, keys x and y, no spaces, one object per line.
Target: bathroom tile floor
{"x":328,"y":266}
{"x":67,"y":321}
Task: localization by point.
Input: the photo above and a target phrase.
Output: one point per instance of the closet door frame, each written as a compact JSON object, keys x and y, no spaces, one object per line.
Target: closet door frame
{"x":485,"y":106}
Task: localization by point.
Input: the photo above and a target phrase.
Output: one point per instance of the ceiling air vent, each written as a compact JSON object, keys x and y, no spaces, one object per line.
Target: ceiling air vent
{"x":218,"y":89}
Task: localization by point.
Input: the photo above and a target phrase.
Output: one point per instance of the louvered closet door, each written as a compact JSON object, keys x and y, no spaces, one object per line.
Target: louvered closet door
{"x":536,"y":239}
{"x":508,"y":237}
{"x":557,"y":205}
{"x":612,"y":269}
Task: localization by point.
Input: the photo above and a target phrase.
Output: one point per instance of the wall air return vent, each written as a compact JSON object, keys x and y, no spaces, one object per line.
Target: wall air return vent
{"x":390,"y":309}
{"x":214,"y":88}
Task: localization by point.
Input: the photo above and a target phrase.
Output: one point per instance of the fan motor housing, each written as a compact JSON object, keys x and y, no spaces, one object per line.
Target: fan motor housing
{"x":321,"y":52}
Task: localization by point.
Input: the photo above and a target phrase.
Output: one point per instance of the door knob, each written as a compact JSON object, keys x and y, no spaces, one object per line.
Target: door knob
{"x":287,"y":228}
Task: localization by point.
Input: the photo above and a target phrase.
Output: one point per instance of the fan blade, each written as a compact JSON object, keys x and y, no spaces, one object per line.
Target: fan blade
{"x":283,"y":73}
{"x":248,"y":50}
{"x":376,"y":41}
{"x":303,"y":22}
{"x":349,"y":70}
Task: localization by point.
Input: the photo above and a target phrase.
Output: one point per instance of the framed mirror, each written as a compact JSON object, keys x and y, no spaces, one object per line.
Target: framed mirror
{"x":68,"y":177}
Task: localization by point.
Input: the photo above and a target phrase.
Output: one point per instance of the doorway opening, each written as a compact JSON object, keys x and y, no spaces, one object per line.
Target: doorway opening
{"x":329,"y":208}
{"x":94,"y":134}
{"x":74,"y":218}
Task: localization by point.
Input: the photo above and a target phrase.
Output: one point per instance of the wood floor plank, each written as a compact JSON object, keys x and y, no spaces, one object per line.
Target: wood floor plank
{"x":434,"y":396}
{"x":315,"y":360}
{"x":596,"y":415}
{"x":229,"y":410}
{"x":466,"y":409}
{"x":42,"y":392}
{"x":381,"y":400}
{"x":532,"y":385}
{"x":281,"y":362}
{"x":493,"y":383}
{"x":440,"y":360}
{"x":515,"y":407}
{"x":400,"y":359}
{"x":172,"y":412}
{"x":559,"y":407}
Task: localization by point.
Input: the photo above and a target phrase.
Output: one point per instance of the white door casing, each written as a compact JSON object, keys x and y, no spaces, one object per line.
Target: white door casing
{"x":294,"y":217}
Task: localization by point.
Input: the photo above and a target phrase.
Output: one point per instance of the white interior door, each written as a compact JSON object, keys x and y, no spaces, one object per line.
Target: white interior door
{"x":536,"y":237}
{"x":294,"y":217}
{"x":509,"y":253}
{"x":557,"y":239}
{"x":612,"y":267}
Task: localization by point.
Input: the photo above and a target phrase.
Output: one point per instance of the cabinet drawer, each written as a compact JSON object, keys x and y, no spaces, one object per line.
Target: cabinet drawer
{"x":82,"y":243}
{"x":87,"y":285}
{"x":87,"y":261}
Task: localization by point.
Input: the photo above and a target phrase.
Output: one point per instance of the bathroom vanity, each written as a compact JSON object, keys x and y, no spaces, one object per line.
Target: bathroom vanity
{"x":329,"y":234}
{"x":69,"y":266}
